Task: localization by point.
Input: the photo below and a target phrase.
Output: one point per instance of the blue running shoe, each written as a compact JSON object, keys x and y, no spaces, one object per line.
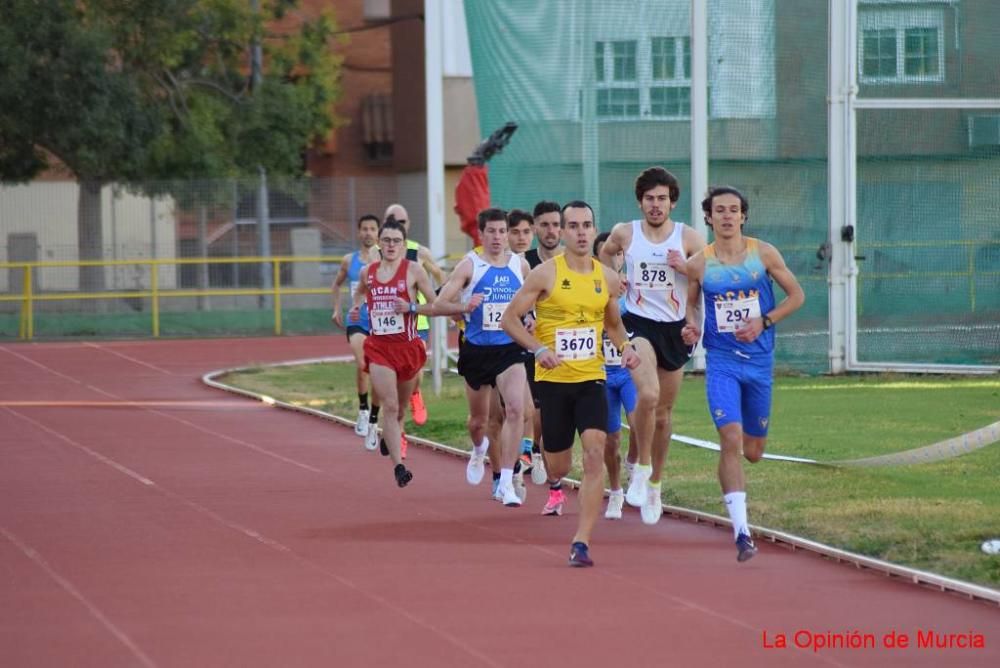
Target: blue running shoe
{"x":745,"y":549}
{"x":579,"y":557}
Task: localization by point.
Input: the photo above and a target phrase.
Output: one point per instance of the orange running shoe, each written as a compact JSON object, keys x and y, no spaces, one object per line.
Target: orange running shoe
{"x":417,"y":408}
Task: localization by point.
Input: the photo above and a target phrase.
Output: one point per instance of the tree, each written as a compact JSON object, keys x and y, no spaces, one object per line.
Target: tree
{"x":131,"y":92}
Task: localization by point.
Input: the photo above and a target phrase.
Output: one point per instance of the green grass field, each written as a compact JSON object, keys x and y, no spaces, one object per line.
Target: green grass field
{"x":927,"y":516}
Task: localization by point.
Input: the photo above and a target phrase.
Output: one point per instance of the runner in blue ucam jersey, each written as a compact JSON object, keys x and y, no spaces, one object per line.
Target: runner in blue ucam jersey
{"x":488,"y":357}
{"x":358,"y":328}
{"x":621,"y":393}
{"x":736,"y":275}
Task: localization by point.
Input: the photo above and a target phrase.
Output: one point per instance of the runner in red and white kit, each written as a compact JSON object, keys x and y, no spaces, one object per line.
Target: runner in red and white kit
{"x":394,"y":353}
{"x":656,"y":250}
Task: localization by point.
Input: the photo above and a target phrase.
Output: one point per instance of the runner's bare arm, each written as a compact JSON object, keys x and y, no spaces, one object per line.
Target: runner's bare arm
{"x":459,"y":279}
{"x":422,"y":282}
{"x":427,"y":260}
{"x":613,"y":321}
{"x":338,"y":281}
{"x":691,"y":332}
{"x":795,"y":297}
{"x":615,"y":243}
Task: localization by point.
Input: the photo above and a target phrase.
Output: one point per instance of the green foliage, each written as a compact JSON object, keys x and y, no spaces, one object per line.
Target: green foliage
{"x":122,"y":91}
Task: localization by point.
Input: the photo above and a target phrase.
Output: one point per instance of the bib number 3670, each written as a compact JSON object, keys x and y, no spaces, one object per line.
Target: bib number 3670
{"x":579,"y":343}
{"x":734,"y":314}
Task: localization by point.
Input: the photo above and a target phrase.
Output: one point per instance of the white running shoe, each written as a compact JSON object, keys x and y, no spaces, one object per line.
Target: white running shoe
{"x":636,"y":494}
{"x":371,"y":438}
{"x":519,"y":488}
{"x":476,"y":467}
{"x":361,"y":424}
{"x":538,"y":474}
{"x":508,"y":496}
{"x":615,"y":501}
{"x":652,"y":509}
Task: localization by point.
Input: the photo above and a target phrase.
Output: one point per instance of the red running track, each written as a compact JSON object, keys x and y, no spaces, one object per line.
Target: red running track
{"x":193,"y":528}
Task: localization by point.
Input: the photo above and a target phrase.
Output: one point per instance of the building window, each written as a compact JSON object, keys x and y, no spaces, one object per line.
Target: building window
{"x":621,"y":102}
{"x":921,"y":52}
{"x":901,"y":46}
{"x":671,"y":102}
{"x":658,"y":69}
{"x":623,"y":60}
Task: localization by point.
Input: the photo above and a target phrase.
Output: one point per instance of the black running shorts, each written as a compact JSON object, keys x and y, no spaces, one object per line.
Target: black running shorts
{"x":665,"y":337}
{"x":569,"y":409}
{"x":480,"y":365}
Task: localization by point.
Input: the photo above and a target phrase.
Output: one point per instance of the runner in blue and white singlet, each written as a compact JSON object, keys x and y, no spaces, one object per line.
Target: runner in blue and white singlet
{"x":498,"y":285}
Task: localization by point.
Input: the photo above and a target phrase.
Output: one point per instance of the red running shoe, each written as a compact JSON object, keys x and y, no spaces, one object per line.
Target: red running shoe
{"x":418,"y":408}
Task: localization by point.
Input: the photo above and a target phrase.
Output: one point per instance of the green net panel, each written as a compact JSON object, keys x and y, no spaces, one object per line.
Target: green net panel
{"x":601,"y":90}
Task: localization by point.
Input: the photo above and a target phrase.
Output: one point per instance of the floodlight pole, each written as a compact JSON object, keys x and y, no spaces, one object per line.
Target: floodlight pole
{"x":433,"y":90}
{"x":699,"y":127}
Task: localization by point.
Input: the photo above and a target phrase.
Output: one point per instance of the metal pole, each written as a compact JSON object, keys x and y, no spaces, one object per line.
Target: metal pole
{"x":590,"y":150}
{"x":203,"y":303}
{"x":263,"y":237}
{"x":699,"y":127}
{"x":433,"y":73}
{"x":839,"y":132}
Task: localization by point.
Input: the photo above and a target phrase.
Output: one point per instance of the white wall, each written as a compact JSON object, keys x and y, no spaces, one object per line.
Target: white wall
{"x":48,"y":209}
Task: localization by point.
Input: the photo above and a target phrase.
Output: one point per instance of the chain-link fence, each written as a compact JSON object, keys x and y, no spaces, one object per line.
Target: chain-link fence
{"x":603,"y":89}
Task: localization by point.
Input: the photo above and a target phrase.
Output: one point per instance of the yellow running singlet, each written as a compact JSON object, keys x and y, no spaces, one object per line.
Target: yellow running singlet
{"x":570,"y":321}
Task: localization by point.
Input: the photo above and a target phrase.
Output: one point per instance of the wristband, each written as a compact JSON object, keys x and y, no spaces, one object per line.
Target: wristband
{"x":539,"y":350}
{"x":413,"y":307}
{"x":622,"y":347}
{"x":767,"y":322}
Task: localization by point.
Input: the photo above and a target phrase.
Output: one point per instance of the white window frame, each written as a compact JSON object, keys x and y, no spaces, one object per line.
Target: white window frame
{"x":900,"y":20}
{"x":644,"y":80}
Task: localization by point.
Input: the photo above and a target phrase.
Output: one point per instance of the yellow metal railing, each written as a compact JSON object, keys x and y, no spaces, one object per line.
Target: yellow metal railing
{"x":28,"y":297}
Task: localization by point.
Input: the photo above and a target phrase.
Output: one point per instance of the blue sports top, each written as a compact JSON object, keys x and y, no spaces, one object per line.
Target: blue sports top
{"x":498,"y":285}
{"x":734,"y":293}
{"x":353,"y":278}
{"x":612,"y":356}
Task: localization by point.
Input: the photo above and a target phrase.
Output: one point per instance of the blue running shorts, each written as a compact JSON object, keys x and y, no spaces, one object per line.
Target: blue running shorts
{"x":739,"y":390}
{"x":621,"y":393}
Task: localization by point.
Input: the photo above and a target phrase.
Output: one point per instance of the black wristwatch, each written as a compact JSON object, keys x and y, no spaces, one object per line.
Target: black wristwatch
{"x":767,"y":322}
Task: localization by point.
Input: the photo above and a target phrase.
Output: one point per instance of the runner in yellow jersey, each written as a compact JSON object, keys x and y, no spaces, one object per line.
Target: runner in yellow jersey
{"x":575,"y":298}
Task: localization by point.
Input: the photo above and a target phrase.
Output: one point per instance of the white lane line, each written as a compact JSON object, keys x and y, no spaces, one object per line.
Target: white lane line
{"x":70,"y":589}
{"x":42,"y":366}
{"x":121,"y":468}
{"x":129,"y":358}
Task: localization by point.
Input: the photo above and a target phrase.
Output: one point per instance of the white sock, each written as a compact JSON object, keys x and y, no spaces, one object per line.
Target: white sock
{"x":629,"y":466}
{"x":617,"y":492}
{"x":506,"y":477}
{"x":482,"y":447}
{"x":736,"y":505}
